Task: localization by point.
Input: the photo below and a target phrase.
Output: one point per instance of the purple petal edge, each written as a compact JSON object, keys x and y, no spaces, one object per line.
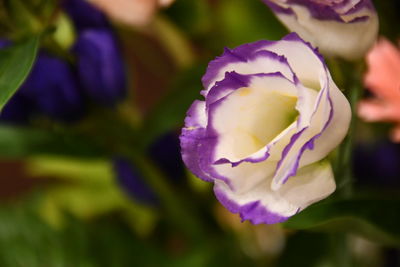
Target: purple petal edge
{"x":321,"y":11}
{"x":253,"y":211}
{"x":221,"y":86}
{"x":242,"y":53}
{"x":294,"y":37}
{"x":190,"y":140}
{"x":199,"y":140}
{"x":310,"y":143}
{"x":206,"y":140}
{"x":203,"y":141}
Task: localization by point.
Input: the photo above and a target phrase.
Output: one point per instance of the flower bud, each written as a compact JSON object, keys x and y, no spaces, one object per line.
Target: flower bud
{"x":336,"y":27}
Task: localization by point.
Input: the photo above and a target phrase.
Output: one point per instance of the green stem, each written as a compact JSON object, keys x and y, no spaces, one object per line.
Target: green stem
{"x":343,"y":169}
{"x":343,"y":166}
{"x":177,"y":209}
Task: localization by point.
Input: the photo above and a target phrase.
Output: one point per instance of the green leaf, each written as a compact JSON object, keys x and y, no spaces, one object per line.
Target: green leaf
{"x":375,"y":219}
{"x":15,"y":65}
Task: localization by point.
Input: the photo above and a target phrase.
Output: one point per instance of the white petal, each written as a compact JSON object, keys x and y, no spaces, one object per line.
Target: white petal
{"x":196,"y":115}
{"x":348,"y":40}
{"x":302,"y":59}
{"x":311,"y":184}
{"x":333,"y":135}
{"x":320,"y":138}
{"x":250,"y":118}
{"x":246,"y":176}
{"x":260,"y":64}
{"x":289,"y":163}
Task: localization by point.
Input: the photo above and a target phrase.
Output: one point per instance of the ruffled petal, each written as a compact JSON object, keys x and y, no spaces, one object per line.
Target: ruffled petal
{"x":347,"y":28}
{"x":328,"y":126}
{"x":334,"y":131}
{"x":297,"y":52}
{"x":240,"y":118}
{"x":246,"y":59}
{"x":263,"y":205}
{"x":191,"y":138}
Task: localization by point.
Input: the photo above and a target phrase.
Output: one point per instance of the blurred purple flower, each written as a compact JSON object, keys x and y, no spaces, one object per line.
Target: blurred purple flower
{"x":132,"y":182}
{"x":4,"y":43}
{"x":53,"y":89}
{"x":85,"y":15}
{"x":165,"y":153}
{"x":17,"y":110}
{"x":100,"y":66}
{"x":377,"y":163}
{"x":99,"y":62}
{"x":50,"y":89}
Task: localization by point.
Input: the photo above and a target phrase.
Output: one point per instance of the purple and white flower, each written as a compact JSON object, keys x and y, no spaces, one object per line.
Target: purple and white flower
{"x":346,"y":28}
{"x":270,"y":117}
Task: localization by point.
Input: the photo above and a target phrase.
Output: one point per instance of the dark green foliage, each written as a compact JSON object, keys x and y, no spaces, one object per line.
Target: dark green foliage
{"x":15,"y":63}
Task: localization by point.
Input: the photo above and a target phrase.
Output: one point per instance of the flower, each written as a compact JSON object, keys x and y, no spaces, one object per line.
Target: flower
{"x":132,"y":182}
{"x":84,"y":15}
{"x":376,"y":163}
{"x":165,"y":153}
{"x":98,"y":74}
{"x":271,"y":115}
{"x":100,"y":66}
{"x":131,"y":12}
{"x":383,"y":80}
{"x":337,"y":27}
{"x":56,"y":95}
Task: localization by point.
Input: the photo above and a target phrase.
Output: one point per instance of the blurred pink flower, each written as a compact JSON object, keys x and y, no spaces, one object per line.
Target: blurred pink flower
{"x":131,"y":12}
{"x":383,"y":80}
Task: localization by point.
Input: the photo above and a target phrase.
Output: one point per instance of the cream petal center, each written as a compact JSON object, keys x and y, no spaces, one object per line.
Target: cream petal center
{"x":250,"y":118}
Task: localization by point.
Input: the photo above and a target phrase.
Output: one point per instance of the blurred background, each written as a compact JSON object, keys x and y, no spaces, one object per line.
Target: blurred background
{"x":90,"y":167}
